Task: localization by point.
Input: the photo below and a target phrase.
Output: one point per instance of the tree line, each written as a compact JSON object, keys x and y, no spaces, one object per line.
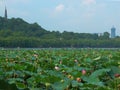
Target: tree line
{"x":16,"y":32}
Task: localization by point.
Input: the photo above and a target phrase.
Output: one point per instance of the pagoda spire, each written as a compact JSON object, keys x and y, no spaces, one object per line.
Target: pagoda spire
{"x":5,"y":13}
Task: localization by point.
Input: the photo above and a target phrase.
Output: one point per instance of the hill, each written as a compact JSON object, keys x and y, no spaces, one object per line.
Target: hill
{"x":18,"y":26}
{"x":16,"y":32}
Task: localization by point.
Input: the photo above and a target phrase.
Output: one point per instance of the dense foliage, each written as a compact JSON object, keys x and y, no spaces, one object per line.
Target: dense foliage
{"x":60,"y":69}
{"x":15,"y":32}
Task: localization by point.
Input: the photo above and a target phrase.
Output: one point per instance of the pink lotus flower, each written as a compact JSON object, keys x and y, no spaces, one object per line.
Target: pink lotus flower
{"x":83,"y":72}
{"x":117,"y":75}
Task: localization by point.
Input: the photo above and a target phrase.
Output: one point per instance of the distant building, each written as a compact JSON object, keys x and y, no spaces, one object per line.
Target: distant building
{"x":113,"y":34}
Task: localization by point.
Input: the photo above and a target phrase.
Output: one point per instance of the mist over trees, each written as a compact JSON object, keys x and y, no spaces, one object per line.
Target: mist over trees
{"x":16,"y":32}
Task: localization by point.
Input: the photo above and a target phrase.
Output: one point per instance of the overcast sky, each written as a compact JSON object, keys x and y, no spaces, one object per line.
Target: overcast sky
{"x":88,"y":16}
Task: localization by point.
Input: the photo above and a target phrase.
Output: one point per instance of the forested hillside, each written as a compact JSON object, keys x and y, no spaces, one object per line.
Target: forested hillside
{"x":16,"y":32}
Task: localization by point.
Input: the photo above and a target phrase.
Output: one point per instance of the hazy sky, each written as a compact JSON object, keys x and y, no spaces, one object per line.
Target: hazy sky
{"x":92,"y":16}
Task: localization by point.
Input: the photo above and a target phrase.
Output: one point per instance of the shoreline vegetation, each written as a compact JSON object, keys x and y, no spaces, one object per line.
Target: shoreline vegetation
{"x":18,"y":48}
{"x":16,"y":32}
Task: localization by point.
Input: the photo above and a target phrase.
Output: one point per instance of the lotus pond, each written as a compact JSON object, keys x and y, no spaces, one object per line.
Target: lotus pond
{"x":60,"y":69}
